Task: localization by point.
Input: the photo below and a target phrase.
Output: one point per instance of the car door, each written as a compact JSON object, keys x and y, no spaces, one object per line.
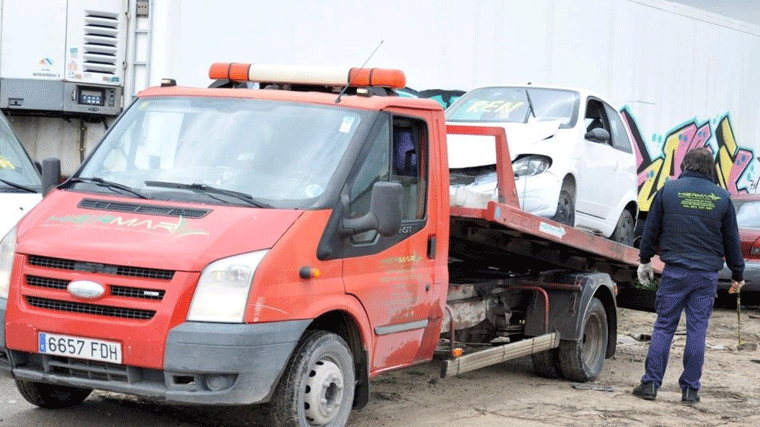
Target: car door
{"x":394,"y":276}
{"x":626,"y":179}
{"x":596,"y":181}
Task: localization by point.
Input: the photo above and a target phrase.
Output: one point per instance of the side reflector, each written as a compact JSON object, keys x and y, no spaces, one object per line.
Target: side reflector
{"x":358,"y":77}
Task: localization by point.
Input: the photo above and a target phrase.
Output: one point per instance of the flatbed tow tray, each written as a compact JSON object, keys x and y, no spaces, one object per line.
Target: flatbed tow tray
{"x":577,"y":249}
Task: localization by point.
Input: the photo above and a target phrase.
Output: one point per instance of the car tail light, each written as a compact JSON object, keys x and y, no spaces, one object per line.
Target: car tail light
{"x":755,"y":251}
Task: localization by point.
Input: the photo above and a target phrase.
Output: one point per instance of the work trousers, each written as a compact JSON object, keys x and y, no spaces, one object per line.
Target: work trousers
{"x":680,"y":290}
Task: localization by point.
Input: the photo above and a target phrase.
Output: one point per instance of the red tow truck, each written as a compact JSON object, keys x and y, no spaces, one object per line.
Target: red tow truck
{"x":282,"y":237}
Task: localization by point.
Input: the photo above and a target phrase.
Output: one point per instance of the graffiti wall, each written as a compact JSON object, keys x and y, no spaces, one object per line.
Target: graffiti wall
{"x":660,"y":160}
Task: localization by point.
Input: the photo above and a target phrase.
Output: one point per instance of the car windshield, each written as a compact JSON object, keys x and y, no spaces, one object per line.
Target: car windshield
{"x":15,"y":165}
{"x":279,"y":154}
{"x":516,"y":105}
{"x":747,"y":213}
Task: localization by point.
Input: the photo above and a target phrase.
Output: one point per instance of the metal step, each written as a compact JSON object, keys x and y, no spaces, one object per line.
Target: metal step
{"x":502,"y":353}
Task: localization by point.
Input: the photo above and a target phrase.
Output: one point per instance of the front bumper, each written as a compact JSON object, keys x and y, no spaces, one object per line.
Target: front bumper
{"x":538,"y":194}
{"x":204,"y":363}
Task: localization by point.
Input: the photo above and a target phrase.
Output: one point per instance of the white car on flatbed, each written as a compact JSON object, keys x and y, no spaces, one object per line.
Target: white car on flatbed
{"x":571,"y":153}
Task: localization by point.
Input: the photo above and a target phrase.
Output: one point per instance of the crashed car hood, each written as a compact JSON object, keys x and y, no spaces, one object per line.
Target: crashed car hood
{"x":467,"y":151}
{"x":60,"y":228}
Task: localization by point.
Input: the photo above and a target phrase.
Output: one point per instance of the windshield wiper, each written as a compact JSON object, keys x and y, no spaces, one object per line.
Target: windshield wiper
{"x":530,"y":108}
{"x":19,"y":186}
{"x":108,"y":184}
{"x":208,"y":190}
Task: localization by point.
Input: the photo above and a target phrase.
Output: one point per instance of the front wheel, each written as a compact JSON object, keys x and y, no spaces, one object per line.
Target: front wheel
{"x":565,"y":208}
{"x":625,"y":230}
{"x":317,"y":387}
{"x":51,"y":396}
{"x":583,"y":360}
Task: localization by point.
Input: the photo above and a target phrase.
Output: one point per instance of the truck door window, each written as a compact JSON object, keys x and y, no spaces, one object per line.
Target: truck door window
{"x":375,"y":168}
{"x":398,"y":155}
{"x":408,"y":158}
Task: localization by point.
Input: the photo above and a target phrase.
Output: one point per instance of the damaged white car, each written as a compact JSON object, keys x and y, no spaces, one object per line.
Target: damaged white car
{"x":571,"y":154}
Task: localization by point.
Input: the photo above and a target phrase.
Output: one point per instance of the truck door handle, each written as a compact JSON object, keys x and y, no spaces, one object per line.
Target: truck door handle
{"x":431,"y":247}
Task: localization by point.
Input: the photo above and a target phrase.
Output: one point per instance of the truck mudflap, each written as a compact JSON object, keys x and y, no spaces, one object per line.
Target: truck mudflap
{"x":204,"y":363}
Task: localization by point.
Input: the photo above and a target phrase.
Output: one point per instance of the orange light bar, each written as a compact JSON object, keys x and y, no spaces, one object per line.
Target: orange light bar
{"x":364,"y":77}
{"x":355,"y":77}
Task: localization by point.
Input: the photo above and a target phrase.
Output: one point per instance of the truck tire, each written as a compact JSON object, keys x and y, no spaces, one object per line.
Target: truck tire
{"x":317,"y":386}
{"x":583,"y":360}
{"x":51,"y":396}
{"x":546,"y":363}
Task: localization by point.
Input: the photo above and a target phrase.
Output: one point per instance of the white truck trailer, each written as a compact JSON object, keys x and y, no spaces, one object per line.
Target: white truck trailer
{"x":683,"y":76}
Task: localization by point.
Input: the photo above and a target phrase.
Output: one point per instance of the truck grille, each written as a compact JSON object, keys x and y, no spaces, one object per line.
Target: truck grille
{"x":67,"y":367}
{"x":119,"y":291}
{"x":88,"y":369}
{"x":90,"y":267}
{"x":86,"y":308}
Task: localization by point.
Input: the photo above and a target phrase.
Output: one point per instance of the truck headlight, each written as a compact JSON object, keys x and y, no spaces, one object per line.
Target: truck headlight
{"x":222,"y":291}
{"x":531,"y":165}
{"x":7,"y":252}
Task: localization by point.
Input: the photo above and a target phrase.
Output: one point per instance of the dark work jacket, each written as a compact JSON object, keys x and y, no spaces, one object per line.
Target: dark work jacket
{"x":694,"y":222}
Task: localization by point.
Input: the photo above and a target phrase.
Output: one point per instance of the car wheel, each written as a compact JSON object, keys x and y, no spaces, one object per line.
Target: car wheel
{"x":565,"y":208}
{"x":625,"y":230}
{"x":317,"y":387}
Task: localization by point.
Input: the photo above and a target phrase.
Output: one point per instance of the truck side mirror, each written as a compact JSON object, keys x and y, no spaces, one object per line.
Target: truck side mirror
{"x":51,"y":174}
{"x":598,"y":135}
{"x":384,"y":213}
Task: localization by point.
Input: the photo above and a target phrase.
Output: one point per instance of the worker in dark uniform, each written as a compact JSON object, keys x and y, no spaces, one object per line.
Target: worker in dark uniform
{"x":693,"y":222}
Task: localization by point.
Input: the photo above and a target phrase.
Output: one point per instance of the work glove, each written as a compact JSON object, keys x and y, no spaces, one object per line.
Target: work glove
{"x":736,"y":287}
{"x":645,"y":272}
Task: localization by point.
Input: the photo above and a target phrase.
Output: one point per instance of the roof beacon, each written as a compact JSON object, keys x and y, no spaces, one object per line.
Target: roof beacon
{"x":353,"y":77}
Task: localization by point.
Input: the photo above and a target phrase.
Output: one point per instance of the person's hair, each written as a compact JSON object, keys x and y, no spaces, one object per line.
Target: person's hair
{"x":699,"y":160}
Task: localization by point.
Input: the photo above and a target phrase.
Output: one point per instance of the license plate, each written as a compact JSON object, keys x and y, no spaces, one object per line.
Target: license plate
{"x":81,"y":348}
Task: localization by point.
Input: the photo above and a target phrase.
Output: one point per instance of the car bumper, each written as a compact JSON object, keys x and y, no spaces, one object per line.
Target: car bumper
{"x":204,"y":363}
{"x":537,"y":194}
{"x":751,"y":277}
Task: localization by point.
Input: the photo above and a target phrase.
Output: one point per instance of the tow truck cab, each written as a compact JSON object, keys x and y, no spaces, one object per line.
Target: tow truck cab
{"x":219,"y":240}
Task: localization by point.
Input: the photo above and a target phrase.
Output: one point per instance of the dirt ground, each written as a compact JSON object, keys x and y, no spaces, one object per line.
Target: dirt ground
{"x":510,"y":394}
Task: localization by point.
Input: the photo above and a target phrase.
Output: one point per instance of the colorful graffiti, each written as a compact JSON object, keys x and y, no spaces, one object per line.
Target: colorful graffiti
{"x":731,"y":161}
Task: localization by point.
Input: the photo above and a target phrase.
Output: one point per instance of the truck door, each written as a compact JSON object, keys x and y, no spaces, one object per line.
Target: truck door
{"x":393,"y":276}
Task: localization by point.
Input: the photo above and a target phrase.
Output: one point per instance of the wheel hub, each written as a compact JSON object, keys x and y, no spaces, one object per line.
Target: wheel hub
{"x":324,"y":393}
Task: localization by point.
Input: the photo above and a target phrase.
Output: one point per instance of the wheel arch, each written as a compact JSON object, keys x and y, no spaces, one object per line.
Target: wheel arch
{"x":348,"y":327}
{"x":569,"y":179}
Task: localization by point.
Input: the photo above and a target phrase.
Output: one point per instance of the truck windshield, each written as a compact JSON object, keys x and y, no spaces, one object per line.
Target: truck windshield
{"x":513,"y":104}
{"x":17,"y":172}
{"x":221,"y":150}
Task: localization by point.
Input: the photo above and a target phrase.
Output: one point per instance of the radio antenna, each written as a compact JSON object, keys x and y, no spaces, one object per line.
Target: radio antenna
{"x":350,"y":80}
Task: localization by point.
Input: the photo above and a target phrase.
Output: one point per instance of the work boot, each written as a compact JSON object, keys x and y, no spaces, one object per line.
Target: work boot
{"x":689,"y":396}
{"x":646,"y":391}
